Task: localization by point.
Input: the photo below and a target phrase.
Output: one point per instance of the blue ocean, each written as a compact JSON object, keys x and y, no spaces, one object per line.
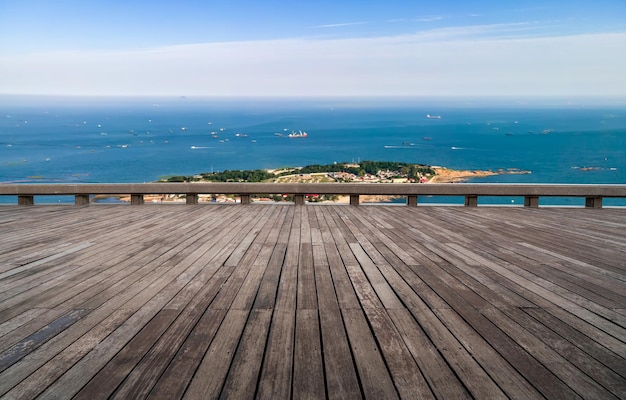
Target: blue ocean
{"x":47,"y":140}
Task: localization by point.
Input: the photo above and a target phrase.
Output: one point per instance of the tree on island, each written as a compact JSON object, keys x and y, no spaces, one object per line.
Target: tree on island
{"x":394,"y":169}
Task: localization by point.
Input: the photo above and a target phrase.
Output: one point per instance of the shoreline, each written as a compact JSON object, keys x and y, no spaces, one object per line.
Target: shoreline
{"x":445,"y":175}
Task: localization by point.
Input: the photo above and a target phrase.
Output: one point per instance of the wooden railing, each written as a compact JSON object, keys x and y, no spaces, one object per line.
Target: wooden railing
{"x":593,"y":194}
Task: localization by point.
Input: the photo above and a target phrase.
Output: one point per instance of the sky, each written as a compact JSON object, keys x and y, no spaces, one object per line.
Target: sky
{"x":313,"y":48}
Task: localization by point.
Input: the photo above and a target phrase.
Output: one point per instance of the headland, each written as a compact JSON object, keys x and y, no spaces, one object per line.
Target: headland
{"x":363,"y":172}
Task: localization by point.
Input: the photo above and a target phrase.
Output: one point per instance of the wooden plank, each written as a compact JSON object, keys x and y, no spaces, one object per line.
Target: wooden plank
{"x":76,"y":299}
{"x":376,"y":382}
{"x":566,"y":302}
{"x":209,"y":378}
{"x":305,"y":225}
{"x":80,"y":373}
{"x":578,"y":381}
{"x":308,"y":369}
{"x":98,"y":316}
{"x":266,"y":295}
{"x":543,"y":379}
{"x":400,"y":274}
{"x":307,"y":292}
{"x":343,"y":288}
{"x":105,"y":381}
{"x":250,"y":236}
{"x":441,"y":379}
{"x":19,"y":320}
{"x":326,"y":296}
{"x":384,"y":292}
{"x":342,"y":381}
{"x":247,"y":293}
{"x":115,"y":341}
{"x":405,"y":373}
{"x":44,"y":374}
{"x":179,"y":372}
{"x":243,"y":375}
{"x":234,"y":285}
{"x":286,"y":296}
{"x":584,"y":276}
{"x":501,"y":371}
{"x":454,"y":264}
{"x":582,"y":364}
{"x":588,"y":344}
{"x":16,"y":352}
{"x":277,"y":370}
{"x":145,"y":375}
{"x":34,"y":264}
{"x":426,"y":280}
{"x":586,"y":327}
{"x":471,"y":374}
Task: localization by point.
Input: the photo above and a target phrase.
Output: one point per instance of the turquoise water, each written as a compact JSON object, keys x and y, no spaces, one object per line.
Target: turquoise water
{"x":140,"y":140}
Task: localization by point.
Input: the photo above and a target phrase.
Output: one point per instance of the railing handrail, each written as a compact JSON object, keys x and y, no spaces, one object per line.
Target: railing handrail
{"x":531,"y":192}
{"x":401,"y":189}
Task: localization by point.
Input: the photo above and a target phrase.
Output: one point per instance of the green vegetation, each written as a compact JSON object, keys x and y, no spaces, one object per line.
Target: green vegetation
{"x":396,"y":169}
{"x":370,"y":167}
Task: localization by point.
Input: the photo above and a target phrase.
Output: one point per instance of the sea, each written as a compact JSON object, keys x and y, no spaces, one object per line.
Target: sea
{"x":142,"y":139}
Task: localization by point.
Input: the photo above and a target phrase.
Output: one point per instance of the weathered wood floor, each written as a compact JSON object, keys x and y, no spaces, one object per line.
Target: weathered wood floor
{"x":284,"y":301}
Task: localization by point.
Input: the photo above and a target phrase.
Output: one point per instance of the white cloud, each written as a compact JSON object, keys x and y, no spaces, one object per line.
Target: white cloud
{"x":340,"y":25}
{"x":429,"y":19}
{"x":450,"y":61}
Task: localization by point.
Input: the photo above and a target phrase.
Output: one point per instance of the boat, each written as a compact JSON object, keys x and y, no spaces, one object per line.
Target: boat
{"x":298,"y":134}
{"x":427,"y":138}
{"x":433,"y":116}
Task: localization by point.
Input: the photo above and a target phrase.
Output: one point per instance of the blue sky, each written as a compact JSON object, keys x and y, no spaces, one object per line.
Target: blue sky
{"x":313,"y":48}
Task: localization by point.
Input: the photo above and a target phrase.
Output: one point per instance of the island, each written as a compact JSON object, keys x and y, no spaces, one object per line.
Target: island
{"x":363,"y":172}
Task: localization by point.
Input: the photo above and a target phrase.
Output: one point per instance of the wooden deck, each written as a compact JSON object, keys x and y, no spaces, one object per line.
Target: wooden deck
{"x":284,"y":301}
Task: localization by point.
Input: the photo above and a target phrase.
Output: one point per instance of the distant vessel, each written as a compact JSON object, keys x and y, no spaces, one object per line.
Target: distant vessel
{"x":298,"y":134}
{"x":427,"y":138}
{"x":433,"y":116}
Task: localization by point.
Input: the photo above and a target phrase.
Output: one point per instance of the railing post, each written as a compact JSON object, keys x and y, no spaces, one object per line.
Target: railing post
{"x":81,"y":199}
{"x":191,"y":198}
{"x":593,"y":202}
{"x":245,"y":198}
{"x":471,"y":200}
{"x":25,"y":200}
{"x":531,"y":201}
{"x":298,"y":199}
{"x":136,"y":199}
{"x":411,"y":200}
{"x":354,"y":199}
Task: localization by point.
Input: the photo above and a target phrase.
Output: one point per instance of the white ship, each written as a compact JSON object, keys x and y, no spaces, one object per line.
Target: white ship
{"x":298,"y":134}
